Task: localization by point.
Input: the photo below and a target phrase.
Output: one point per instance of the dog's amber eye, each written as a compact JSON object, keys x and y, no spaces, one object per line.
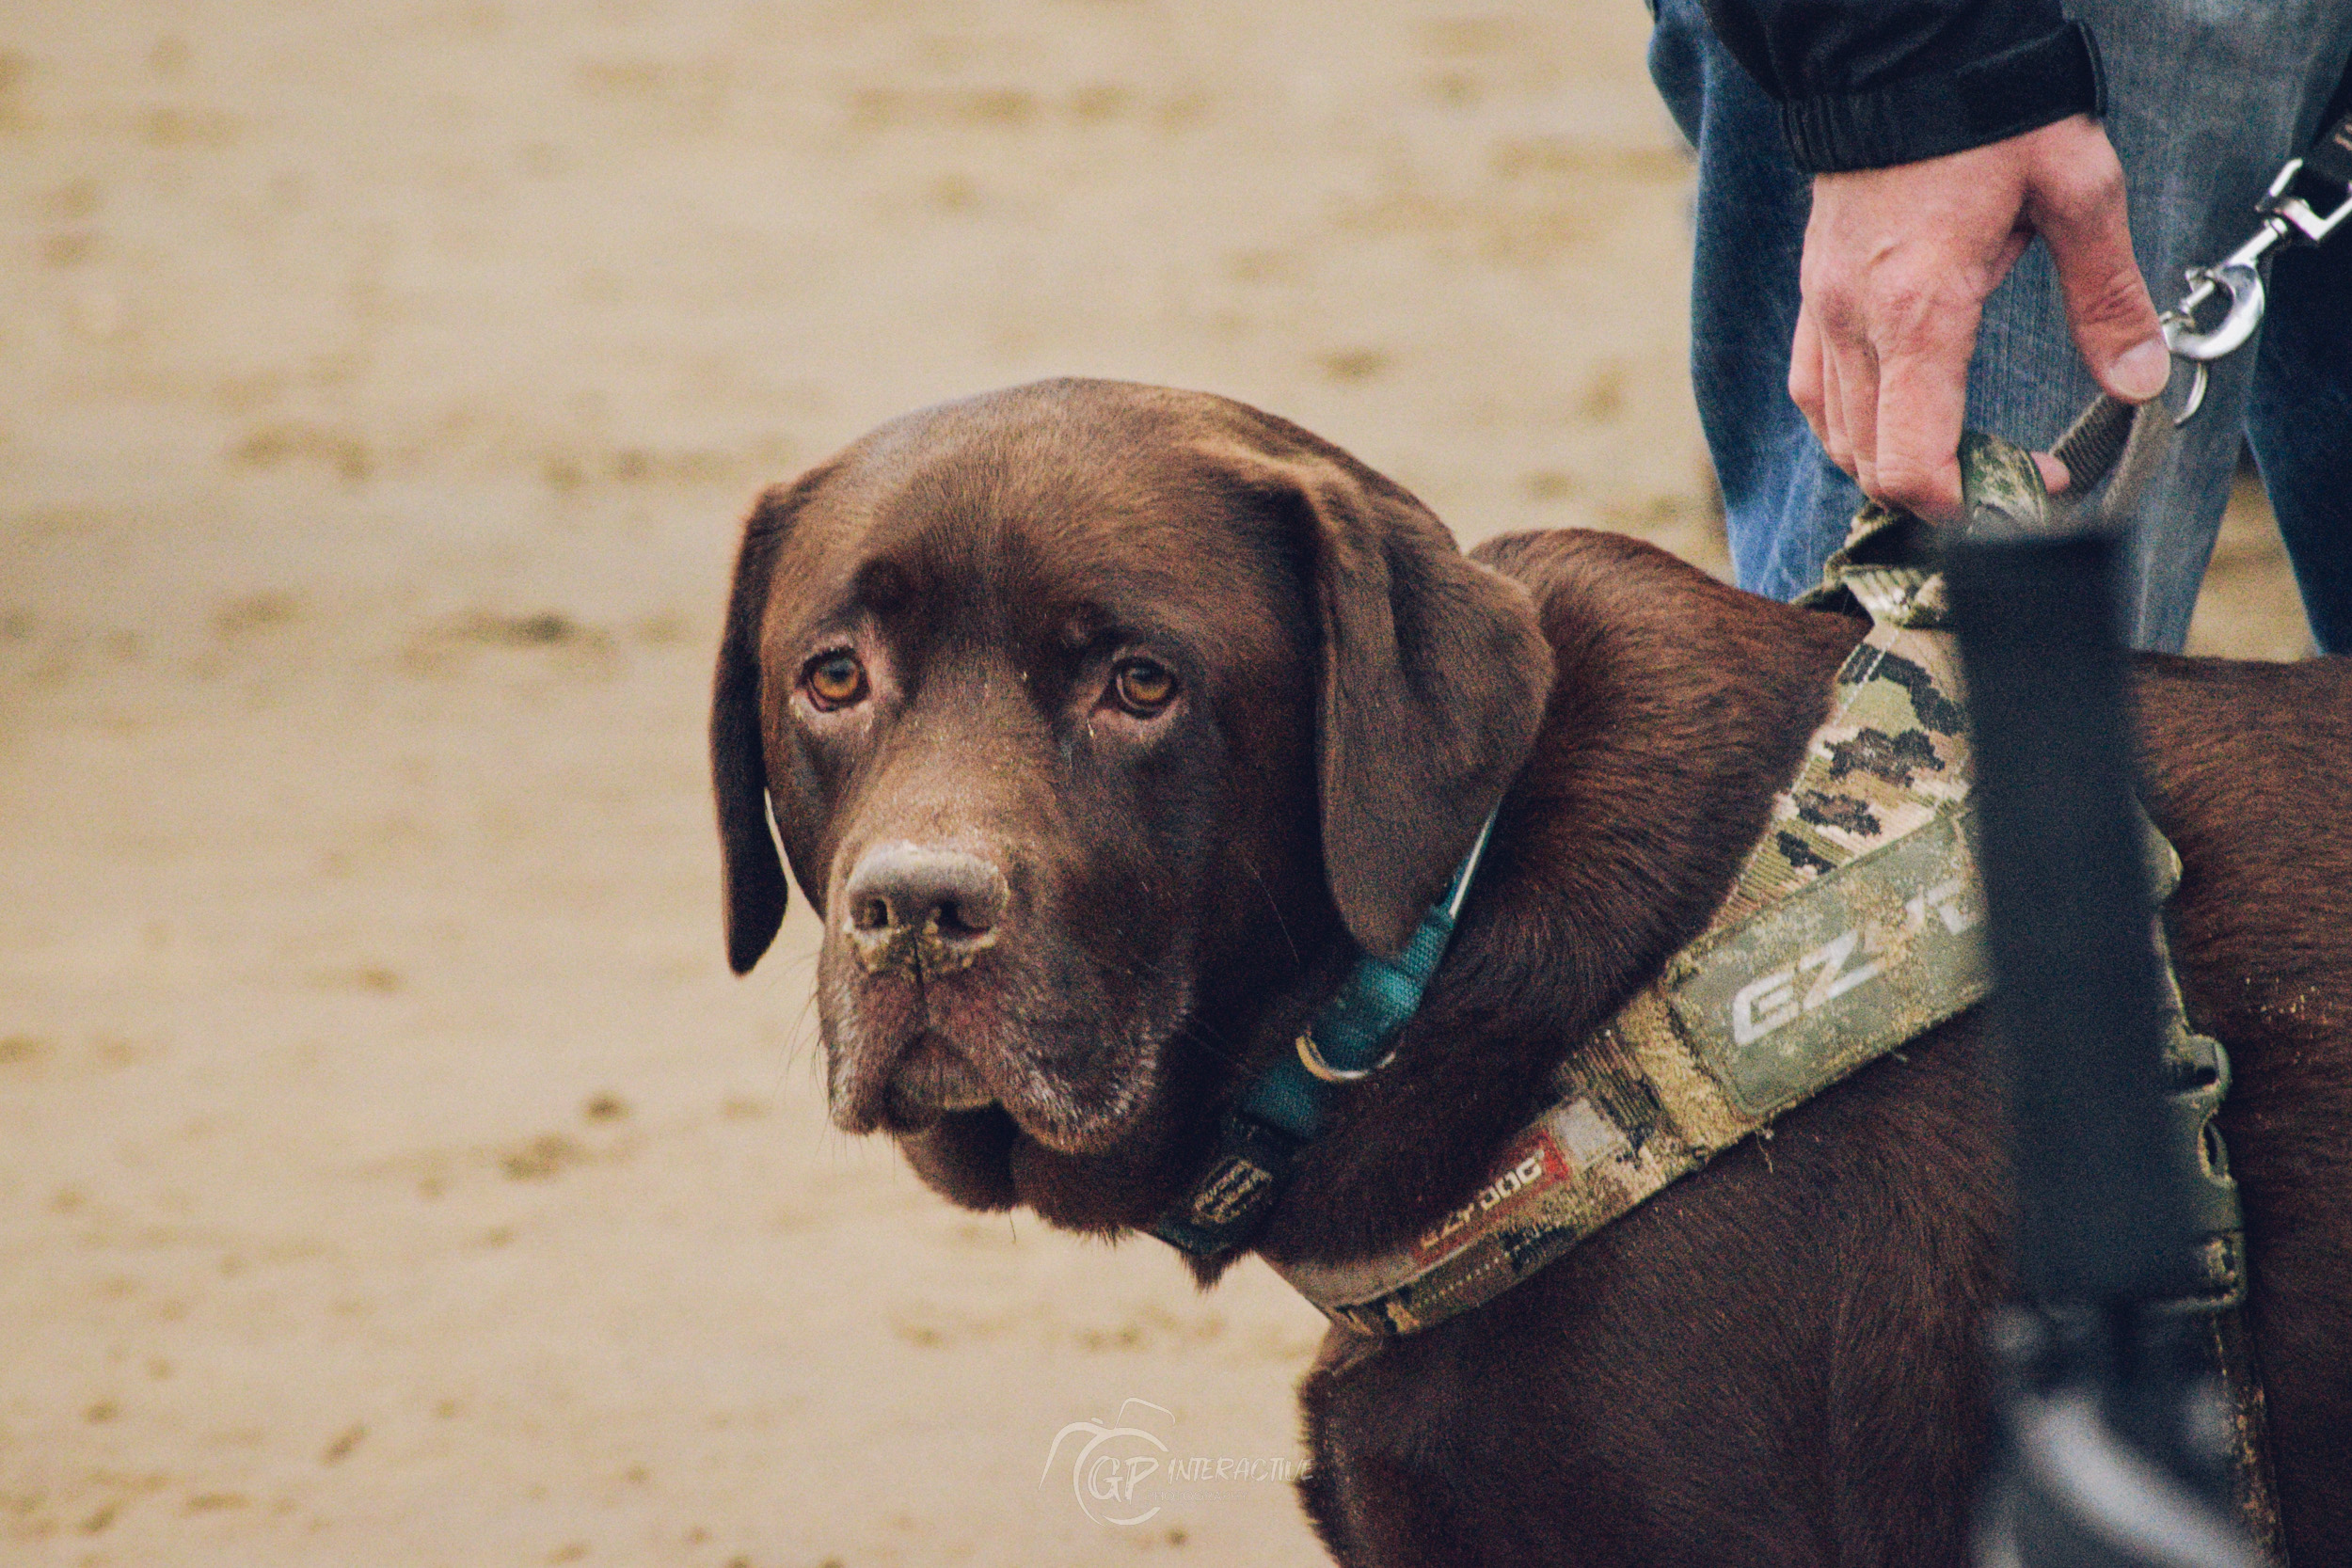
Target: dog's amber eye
{"x":1143,"y":686}
{"x":836,"y":680}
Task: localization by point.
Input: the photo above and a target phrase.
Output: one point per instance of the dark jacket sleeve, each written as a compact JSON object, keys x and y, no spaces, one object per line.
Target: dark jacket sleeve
{"x":1862,"y":83}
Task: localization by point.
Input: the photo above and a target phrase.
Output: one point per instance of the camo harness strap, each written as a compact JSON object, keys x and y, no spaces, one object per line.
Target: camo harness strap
{"x":1851,"y":929}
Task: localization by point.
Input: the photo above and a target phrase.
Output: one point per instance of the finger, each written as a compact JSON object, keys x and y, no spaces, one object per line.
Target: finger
{"x":1923,"y":392}
{"x":1835,"y":440}
{"x":2077,"y":204}
{"x":1805,"y":373}
{"x":2055,"y":477}
{"x":1858,"y":381}
{"x":2012,"y":248}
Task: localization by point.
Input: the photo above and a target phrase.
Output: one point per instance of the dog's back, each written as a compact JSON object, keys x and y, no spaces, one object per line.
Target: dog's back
{"x":2250,"y":774}
{"x":1756,"y":1364}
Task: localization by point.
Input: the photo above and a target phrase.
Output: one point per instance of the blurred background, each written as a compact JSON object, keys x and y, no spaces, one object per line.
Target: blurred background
{"x":391,"y":1173}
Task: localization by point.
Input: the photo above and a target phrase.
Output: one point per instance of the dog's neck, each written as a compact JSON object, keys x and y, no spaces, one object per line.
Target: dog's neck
{"x":1679,"y":708}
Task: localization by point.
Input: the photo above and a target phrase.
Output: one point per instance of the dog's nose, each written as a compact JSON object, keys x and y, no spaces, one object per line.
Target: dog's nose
{"x":922,"y":907}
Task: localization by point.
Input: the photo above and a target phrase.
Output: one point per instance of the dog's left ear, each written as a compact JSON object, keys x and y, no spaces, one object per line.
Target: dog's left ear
{"x":1432,"y":680}
{"x":755,"y":886}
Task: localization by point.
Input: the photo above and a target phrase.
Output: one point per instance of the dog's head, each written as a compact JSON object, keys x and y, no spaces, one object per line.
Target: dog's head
{"x":1090,"y":714}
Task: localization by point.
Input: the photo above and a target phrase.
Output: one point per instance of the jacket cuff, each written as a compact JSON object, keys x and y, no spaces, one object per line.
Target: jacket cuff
{"x":2020,"y":89}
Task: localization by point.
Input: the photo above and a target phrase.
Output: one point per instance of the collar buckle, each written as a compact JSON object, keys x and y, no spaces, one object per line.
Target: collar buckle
{"x":1310,"y":1057}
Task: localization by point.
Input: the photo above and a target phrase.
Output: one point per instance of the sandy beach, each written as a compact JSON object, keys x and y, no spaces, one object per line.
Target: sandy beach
{"x":391,"y":1173}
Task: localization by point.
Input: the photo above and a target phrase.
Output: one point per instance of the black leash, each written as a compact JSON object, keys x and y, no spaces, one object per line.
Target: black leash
{"x":2118,"y":1445}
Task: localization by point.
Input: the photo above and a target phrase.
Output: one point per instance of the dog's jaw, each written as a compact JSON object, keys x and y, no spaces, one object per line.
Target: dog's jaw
{"x":931,"y":1079}
{"x":901,"y":1052}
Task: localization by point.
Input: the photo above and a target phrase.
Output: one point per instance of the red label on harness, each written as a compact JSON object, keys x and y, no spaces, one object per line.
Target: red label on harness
{"x":1533,"y":1165}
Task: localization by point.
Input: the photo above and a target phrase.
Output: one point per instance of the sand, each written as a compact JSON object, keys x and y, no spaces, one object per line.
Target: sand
{"x":391,"y":1172}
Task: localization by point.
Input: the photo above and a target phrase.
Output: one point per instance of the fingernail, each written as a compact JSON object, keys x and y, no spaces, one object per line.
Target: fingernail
{"x":2139,"y":373}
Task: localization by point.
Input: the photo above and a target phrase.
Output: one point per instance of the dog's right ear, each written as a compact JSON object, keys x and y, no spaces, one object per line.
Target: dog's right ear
{"x":755,"y":887}
{"x":1434,"y":673}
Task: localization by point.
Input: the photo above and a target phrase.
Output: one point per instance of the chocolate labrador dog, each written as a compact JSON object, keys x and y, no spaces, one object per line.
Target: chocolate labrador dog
{"x":1106,"y":725}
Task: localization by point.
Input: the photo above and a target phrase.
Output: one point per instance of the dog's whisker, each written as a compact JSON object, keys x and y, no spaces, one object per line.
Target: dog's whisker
{"x":1196,"y":1036}
{"x":1297,"y":959}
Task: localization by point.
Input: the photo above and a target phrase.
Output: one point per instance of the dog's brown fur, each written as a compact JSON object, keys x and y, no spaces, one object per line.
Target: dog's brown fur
{"x":1775,"y":1361}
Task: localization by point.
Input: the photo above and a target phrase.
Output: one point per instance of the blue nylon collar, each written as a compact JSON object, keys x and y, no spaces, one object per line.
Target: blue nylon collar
{"x":1350,"y":1036}
{"x":1353,"y":1032}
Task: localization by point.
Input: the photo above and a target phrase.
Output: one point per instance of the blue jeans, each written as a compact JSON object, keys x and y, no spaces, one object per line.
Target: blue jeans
{"x":2205,"y":100}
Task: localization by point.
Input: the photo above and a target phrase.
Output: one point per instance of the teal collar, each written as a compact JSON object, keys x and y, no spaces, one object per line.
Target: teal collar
{"x":1351,"y":1037}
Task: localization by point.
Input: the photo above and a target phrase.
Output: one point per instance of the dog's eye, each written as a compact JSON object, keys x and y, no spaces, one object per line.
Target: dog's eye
{"x":1143,"y":686}
{"x":835,"y":680}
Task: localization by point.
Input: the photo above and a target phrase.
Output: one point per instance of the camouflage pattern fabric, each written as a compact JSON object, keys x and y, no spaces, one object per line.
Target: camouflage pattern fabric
{"x":1851,"y":929}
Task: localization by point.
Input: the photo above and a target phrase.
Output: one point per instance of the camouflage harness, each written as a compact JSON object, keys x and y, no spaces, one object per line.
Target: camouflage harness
{"x":1851,"y":929}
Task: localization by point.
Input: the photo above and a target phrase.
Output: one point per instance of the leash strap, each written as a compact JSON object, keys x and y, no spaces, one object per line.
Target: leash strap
{"x":2320,"y":183}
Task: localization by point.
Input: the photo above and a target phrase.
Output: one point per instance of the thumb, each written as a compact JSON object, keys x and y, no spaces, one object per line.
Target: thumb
{"x":2108,"y":308}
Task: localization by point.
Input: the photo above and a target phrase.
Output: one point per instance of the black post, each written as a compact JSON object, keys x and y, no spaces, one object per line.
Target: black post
{"x":2115,"y":1453}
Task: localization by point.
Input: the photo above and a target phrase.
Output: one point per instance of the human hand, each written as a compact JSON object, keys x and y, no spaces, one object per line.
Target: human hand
{"x":1897,"y":263}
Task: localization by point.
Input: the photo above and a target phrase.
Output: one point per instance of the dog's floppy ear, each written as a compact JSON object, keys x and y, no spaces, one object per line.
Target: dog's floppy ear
{"x":1432,"y":680}
{"x":738,"y":768}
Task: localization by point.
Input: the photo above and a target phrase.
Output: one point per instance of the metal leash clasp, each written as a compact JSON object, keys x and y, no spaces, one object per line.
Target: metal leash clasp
{"x":2283,"y":201}
{"x":2287,"y":217}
